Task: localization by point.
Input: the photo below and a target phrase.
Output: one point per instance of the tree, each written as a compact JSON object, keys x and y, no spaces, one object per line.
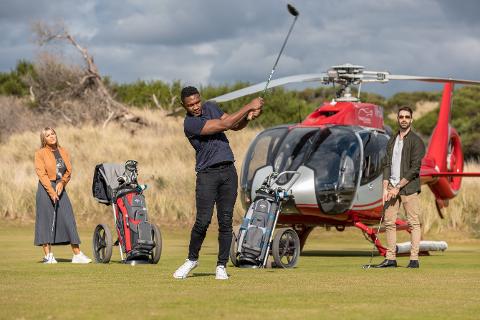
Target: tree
{"x":57,"y":86}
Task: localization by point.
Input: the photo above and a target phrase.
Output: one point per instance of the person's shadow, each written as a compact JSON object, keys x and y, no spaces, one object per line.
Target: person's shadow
{"x":203,"y":274}
{"x":59,"y":260}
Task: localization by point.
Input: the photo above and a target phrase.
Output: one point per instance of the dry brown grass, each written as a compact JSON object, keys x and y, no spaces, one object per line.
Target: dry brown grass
{"x":421,"y":108}
{"x":463,"y":212}
{"x":166,"y":164}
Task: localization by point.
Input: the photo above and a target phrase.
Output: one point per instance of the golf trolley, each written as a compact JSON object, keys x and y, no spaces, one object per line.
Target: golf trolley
{"x":139,"y":240}
{"x":257,"y":237}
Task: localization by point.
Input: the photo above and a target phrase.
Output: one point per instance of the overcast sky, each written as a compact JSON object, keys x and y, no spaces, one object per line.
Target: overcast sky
{"x":224,"y":41}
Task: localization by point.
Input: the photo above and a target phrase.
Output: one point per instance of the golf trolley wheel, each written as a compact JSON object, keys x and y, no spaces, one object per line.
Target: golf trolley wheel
{"x":157,"y":250}
{"x":286,"y":248}
{"x":102,"y":244}
{"x":233,"y":245}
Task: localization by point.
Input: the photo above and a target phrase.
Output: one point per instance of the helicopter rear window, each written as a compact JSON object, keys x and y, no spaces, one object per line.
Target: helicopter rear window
{"x":374,"y":151}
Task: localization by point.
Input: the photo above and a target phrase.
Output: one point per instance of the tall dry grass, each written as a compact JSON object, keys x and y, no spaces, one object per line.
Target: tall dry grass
{"x":463,"y":212}
{"x":166,"y":164}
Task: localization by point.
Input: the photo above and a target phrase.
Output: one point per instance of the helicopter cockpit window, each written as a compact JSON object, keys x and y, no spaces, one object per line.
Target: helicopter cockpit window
{"x":293,"y":150}
{"x":260,"y":153}
{"x":335,"y":159}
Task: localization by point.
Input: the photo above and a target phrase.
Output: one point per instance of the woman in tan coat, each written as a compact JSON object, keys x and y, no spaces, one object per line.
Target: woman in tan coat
{"x":54,"y":223}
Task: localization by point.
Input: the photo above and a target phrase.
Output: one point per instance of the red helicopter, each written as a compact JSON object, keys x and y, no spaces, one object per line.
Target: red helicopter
{"x":338,"y":150}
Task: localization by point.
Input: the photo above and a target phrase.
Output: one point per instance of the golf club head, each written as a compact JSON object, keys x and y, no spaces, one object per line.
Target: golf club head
{"x":292,"y":10}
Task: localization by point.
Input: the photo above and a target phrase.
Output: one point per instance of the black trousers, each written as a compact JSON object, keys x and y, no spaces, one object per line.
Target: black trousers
{"x":215,"y":186}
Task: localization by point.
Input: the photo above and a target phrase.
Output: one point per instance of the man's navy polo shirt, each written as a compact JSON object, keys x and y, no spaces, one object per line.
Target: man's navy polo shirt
{"x":209,"y":149}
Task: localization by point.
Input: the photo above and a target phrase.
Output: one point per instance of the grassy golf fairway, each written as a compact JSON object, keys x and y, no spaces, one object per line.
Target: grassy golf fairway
{"x":328,"y":283}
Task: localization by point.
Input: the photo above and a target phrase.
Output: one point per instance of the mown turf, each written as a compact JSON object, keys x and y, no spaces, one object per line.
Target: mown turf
{"x":328,"y":283}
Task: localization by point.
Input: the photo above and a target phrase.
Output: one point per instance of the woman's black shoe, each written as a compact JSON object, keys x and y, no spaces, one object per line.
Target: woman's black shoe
{"x":413,"y":264}
{"x":387,"y":264}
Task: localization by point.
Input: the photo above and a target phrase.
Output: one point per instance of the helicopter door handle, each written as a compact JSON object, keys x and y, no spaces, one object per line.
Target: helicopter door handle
{"x":370,"y":186}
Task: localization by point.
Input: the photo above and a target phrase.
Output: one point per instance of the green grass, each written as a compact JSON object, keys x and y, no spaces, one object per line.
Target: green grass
{"x":328,"y":283}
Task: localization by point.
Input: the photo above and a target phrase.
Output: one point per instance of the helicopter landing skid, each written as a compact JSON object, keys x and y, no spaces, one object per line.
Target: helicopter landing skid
{"x":371,"y":235}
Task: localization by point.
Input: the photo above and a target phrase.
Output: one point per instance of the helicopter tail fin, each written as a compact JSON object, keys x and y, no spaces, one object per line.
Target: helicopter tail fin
{"x":439,"y":142}
{"x":442,"y":167}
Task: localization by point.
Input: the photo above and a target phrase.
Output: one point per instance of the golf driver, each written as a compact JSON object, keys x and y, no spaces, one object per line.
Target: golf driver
{"x":294,"y":13}
{"x":369,"y":265}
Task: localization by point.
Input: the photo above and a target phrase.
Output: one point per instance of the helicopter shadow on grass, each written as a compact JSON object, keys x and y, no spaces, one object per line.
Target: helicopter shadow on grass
{"x":337,"y":253}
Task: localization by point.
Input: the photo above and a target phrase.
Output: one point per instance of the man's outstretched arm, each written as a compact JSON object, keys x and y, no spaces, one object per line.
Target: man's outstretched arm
{"x":231,"y":121}
{"x":244,"y":121}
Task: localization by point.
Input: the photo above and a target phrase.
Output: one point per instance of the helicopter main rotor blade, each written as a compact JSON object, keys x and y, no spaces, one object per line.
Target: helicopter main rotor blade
{"x":429,"y":79}
{"x":274,"y":83}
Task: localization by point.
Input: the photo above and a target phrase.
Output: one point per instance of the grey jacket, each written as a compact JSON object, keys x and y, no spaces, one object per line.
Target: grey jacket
{"x":412,"y":154}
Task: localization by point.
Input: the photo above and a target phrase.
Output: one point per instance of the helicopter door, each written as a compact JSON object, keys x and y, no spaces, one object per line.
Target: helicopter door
{"x":335,"y":160}
{"x":258,"y":160}
{"x":371,"y":184}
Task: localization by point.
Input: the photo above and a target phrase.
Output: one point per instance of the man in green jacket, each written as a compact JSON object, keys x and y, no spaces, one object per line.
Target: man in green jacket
{"x":401,"y":185}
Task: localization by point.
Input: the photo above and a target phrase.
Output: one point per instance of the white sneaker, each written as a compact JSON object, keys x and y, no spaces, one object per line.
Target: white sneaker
{"x":81,"y":258}
{"x":183,"y":271}
{"x":49,"y":259}
{"x":221,"y":273}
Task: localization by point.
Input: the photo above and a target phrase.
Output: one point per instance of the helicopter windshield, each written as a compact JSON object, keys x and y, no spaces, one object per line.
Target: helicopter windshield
{"x":260,"y":154}
{"x":293,"y":150}
{"x":335,"y":158}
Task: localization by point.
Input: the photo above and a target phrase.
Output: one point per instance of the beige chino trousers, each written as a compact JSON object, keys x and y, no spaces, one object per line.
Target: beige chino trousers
{"x":411,"y":204}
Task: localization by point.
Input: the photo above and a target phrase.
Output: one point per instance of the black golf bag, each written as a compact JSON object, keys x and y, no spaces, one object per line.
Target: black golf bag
{"x":139,"y":240}
{"x":251,"y":247}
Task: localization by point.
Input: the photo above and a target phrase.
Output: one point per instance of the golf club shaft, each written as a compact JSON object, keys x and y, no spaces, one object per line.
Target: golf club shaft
{"x":385,"y":206}
{"x":279,"y":54}
{"x":53,"y":227}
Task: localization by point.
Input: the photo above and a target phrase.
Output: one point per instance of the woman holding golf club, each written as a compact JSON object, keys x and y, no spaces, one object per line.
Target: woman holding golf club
{"x":54,"y":223}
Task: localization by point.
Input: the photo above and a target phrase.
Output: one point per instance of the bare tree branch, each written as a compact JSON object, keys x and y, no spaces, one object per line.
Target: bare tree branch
{"x":88,"y":83}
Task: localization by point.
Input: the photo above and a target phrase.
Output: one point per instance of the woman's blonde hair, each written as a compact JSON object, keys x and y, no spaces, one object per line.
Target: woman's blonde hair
{"x":43,"y":139}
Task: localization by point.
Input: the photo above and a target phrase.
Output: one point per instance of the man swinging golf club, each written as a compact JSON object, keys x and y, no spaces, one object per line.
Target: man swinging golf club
{"x":216,"y":184}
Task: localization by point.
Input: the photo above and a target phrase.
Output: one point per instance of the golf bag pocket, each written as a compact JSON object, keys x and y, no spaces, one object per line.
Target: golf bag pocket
{"x":144,"y":240}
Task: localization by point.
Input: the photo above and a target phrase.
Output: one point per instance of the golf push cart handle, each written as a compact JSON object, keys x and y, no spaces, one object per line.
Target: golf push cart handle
{"x":292,"y":181}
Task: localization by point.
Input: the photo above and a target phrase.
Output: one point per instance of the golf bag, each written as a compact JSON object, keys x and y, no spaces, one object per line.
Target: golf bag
{"x":256,"y":232}
{"x":117,"y":185}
